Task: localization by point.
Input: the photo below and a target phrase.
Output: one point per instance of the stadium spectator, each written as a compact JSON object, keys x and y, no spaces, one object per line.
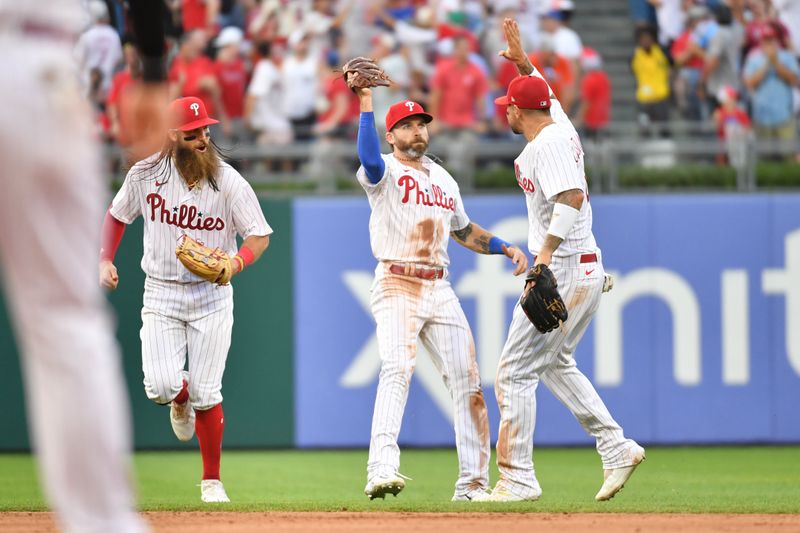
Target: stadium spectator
{"x":231,"y":76}
{"x":264,"y":104}
{"x":120,"y":88}
{"x":671,"y":20}
{"x":395,"y":63}
{"x":300,"y":79}
{"x":200,"y":15}
{"x":651,"y":69}
{"x":733,"y":126}
{"x":566,"y":41}
{"x":193,"y":74}
{"x":721,"y":66}
{"x":789,"y":14}
{"x":761,"y":23}
{"x":594,"y":112}
{"x":418,"y":36}
{"x":338,"y":117}
{"x":557,"y":69}
{"x":458,"y":103}
{"x":770,"y":72}
{"x":98,"y":49}
{"x":689,"y":59}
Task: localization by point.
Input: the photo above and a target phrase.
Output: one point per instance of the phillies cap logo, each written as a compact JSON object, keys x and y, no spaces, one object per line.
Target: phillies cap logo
{"x":410,"y":106}
{"x":195,"y":107}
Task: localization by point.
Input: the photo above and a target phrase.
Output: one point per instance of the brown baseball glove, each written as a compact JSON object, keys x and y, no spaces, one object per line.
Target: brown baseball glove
{"x":363,"y":72}
{"x":212,"y":265}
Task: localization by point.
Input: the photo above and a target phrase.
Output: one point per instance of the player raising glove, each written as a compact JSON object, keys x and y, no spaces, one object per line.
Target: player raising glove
{"x":211,"y":264}
{"x":363,"y":72}
{"x":541,"y":301}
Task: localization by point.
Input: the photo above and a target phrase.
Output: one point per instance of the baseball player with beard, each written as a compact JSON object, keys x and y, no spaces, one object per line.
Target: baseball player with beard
{"x":550,"y":171}
{"x":416,"y":206}
{"x":187,"y":190}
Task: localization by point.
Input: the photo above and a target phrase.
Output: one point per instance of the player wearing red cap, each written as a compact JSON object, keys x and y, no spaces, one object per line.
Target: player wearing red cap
{"x":186,"y":189}
{"x":550,"y":172}
{"x":416,"y":205}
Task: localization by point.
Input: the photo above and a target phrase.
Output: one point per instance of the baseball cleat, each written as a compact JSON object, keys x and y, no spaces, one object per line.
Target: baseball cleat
{"x":615,"y":478}
{"x":380,"y":486}
{"x":213,"y":491}
{"x":501,"y":493}
{"x":181,"y":416}
{"x":475,"y":495}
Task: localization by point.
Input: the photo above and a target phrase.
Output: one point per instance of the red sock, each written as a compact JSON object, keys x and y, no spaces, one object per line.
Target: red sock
{"x":183,"y":395}
{"x":209,"y":426}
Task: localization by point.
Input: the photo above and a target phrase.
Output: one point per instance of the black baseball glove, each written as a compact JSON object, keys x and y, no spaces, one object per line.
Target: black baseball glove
{"x":540,"y":300}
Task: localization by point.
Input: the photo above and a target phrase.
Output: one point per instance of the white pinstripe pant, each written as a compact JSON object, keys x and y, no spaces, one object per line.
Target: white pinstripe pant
{"x":180,"y":320}
{"x":529,"y":356}
{"x":406,"y":308}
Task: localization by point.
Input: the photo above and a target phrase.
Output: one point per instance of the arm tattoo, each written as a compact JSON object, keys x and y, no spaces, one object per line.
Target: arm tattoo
{"x":526,"y":68}
{"x":463,"y":233}
{"x":482,"y":243}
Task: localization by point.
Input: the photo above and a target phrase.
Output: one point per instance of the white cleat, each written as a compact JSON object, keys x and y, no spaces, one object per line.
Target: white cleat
{"x":475,"y":495}
{"x":181,"y":416}
{"x":615,"y":478}
{"x":213,"y":491}
{"x":380,"y":486}
{"x":501,"y":493}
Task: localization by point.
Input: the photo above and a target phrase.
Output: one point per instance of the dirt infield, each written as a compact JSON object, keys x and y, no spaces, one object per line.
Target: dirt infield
{"x":221,"y":522}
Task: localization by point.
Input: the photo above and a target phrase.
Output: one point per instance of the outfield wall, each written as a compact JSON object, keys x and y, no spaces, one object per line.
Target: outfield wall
{"x":698,"y":343}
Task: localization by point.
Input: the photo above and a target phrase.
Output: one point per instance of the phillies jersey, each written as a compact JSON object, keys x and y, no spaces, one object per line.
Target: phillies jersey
{"x":548,"y":165}
{"x":413,"y":213}
{"x":171,"y":209}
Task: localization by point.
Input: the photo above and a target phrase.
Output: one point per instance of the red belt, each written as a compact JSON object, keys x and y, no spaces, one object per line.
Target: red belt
{"x":585,"y":258}
{"x":417,"y":272}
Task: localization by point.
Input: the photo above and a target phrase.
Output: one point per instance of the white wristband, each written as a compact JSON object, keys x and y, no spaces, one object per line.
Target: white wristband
{"x":563,"y":219}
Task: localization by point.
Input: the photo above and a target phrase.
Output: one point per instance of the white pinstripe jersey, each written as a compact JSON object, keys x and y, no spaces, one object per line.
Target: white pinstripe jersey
{"x":550,"y":164}
{"x":170,"y":209}
{"x":413,"y":213}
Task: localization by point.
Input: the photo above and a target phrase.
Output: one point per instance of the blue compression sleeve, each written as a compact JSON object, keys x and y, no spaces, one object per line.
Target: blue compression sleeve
{"x":369,"y":148}
{"x":496,"y":245}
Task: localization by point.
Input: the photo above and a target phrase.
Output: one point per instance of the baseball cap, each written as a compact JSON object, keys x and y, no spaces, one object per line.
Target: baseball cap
{"x":188,"y":114}
{"x":229,"y":35}
{"x":405,"y":109}
{"x":526,"y":92}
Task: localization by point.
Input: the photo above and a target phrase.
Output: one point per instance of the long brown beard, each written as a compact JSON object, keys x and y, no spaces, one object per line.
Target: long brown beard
{"x":194,"y":166}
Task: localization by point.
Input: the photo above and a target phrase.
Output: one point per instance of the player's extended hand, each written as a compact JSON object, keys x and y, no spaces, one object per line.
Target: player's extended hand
{"x":146,"y":118}
{"x":514,"y":51}
{"x":108,"y":275}
{"x":517,"y":257}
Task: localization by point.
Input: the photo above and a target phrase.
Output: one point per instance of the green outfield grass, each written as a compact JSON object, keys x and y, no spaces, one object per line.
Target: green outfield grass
{"x":695,"y":480}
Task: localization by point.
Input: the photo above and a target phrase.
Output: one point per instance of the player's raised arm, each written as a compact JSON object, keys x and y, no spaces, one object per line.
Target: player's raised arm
{"x":369,"y":146}
{"x":515,"y":52}
{"x":361,"y":74}
{"x":480,"y":240}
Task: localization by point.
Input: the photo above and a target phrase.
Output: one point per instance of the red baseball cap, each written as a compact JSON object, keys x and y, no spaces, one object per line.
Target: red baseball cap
{"x":188,"y":114}
{"x":527,"y":92}
{"x":405,"y":109}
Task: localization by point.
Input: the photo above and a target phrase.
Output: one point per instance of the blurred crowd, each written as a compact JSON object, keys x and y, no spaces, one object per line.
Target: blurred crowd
{"x":269,"y":69}
{"x":731,"y":61}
